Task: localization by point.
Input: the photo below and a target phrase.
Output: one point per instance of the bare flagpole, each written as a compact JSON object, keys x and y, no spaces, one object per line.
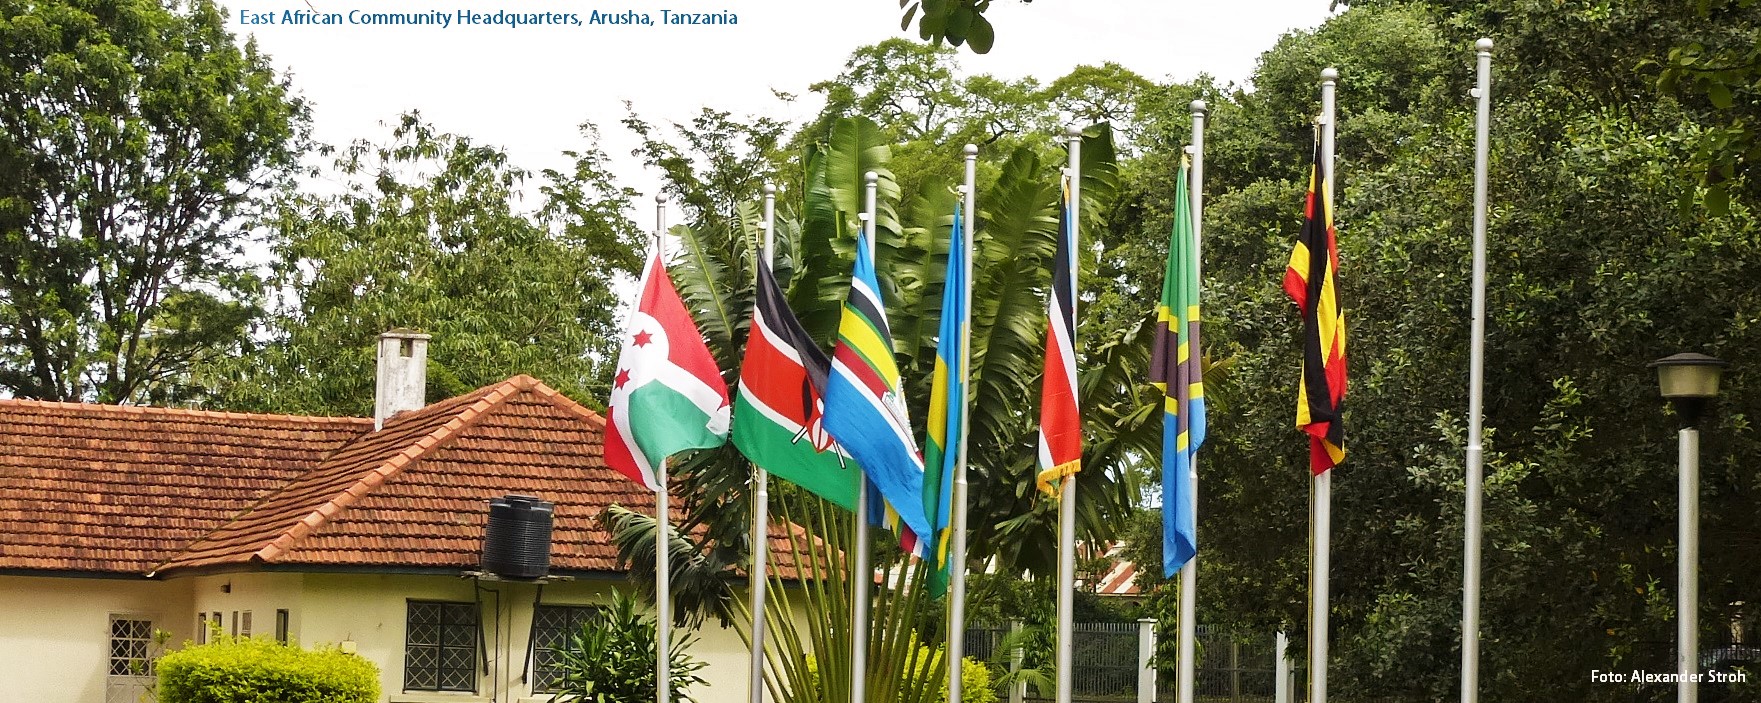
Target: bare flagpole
{"x":663,"y":590}
{"x":761,"y":498}
{"x":1189,"y":573}
{"x":1470,"y":580}
{"x":862,"y":573}
{"x":957,"y":550}
{"x":1321,"y":505}
{"x":1067,"y":485}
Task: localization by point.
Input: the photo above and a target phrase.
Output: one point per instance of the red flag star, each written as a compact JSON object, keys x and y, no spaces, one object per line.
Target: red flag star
{"x":643,"y":338}
{"x":623,"y":378}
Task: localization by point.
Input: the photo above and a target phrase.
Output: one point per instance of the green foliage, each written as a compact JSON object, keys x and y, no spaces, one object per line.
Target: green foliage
{"x":611,"y":660}
{"x":975,"y":678}
{"x":136,"y":134}
{"x":261,"y":671}
{"x":426,"y":235}
{"x":953,"y":21}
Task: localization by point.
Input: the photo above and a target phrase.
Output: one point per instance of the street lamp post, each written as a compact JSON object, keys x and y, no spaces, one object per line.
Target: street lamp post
{"x":1689,"y":382}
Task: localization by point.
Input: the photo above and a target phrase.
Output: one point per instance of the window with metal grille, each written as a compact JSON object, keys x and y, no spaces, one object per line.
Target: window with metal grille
{"x":129,"y":640}
{"x":552,"y":627}
{"x":244,"y":624}
{"x":440,"y":647}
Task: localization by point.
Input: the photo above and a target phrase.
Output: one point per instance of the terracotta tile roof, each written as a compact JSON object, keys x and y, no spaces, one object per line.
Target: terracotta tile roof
{"x":113,"y":488}
{"x":413,"y":494}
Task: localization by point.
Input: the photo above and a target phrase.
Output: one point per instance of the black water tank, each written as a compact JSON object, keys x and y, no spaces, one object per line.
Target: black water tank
{"x":517,"y":542}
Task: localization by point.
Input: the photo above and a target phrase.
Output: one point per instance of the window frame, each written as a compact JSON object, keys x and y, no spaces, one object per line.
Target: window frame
{"x":281,"y":625}
{"x":144,"y":642}
{"x":576,"y":615}
{"x":438,"y":649}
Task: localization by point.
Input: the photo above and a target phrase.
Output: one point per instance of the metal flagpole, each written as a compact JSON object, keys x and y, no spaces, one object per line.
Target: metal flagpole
{"x":1321,"y":507}
{"x":862,"y":573}
{"x":663,"y":591}
{"x":957,"y":550}
{"x":1189,"y":573}
{"x":1470,"y":579}
{"x":761,"y":500}
{"x":1067,"y":486}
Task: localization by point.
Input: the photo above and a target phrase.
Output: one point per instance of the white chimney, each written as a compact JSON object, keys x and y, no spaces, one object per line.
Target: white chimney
{"x":403,"y":374}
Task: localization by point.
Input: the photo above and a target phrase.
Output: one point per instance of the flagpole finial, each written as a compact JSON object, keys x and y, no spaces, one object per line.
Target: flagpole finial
{"x":970,"y":150}
{"x":770,"y":189}
{"x":871,"y":177}
{"x":1199,"y":107}
{"x":1484,"y":45}
{"x":1072,"y":131}
{"x":1329,"y":74}
{"x":660,"y":199}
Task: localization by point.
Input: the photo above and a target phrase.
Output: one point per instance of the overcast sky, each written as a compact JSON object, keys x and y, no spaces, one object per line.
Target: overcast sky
{"x":527,"y":88}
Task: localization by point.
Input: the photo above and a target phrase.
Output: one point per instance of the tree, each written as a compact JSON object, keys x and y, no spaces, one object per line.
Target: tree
{"x":136,"y":135}
{"x":427,"y":235}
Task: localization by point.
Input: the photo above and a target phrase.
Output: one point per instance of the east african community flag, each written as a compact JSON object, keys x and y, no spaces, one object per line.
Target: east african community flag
{"x":779,"y":407}
{"x":668,"y":394}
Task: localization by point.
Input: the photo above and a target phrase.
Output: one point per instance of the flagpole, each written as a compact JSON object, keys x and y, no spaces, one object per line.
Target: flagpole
{"x":1067,"y":485}
{"x":1189,"y":574}
{"x":663,"y":591}
{"x":862,"y":573}
{"x":1470,"y":586}
{"x":957,"y":550}
{"x":1321,"y":507}
{"x":761,"y":499}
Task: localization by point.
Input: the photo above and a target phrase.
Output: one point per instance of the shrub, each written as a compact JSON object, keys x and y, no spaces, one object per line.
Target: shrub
{"x":261,"y":671}
{"x":611,"y":660}
{"x":975,"y":677}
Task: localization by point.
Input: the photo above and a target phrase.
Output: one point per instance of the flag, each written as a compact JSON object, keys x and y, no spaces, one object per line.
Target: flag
{"x":1060,"y":428}
{"x":778,"y":408}
{"x":947,"y":411}
{"x":1312,"y":281}
{"x":865,"y":403}
{"x":1175,"y":370}
{"x":668,"y":395}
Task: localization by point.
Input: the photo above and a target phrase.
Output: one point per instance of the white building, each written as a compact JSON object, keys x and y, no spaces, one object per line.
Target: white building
{"x":117,"y":521}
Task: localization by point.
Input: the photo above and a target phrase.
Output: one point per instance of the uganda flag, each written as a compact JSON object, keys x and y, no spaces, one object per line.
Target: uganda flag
{"x":1060,"y":427}
{"x":1312,"y":281}
{"x":865,"y":403}
{"x":778,"y":408}
{"x":1175,"y":370}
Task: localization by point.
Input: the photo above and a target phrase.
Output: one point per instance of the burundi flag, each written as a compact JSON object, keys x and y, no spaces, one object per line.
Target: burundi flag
{"x":778,"y":409}
{"x":1060,"y":428}
{"x":668,"y":395}
{"x":1174,"y":369}
{"x":865,"y":403}
{"x":947,"y":411}
{"x":1312,"y":281}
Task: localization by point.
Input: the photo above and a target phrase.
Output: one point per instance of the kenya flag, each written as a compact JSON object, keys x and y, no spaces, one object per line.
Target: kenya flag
{"x":668,"y":395}
{"x":777,"y":409}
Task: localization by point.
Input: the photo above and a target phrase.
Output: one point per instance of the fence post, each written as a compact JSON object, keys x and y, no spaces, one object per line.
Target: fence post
{"x":1282,"y":678}
{"x":1234,"y":668}
{"x":1017,"y":690}
{"x":1146,"y":660}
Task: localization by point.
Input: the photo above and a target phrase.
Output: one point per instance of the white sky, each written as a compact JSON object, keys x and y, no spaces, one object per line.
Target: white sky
{"x":527,"y":88}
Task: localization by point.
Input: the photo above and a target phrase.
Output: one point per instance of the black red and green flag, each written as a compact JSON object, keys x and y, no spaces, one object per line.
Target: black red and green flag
{"x":1312,"y":281}
{"x":778,"y":407}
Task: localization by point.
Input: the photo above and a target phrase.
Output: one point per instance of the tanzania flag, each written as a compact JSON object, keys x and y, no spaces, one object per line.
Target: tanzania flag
{"x":1311,"y":280}
{"x":947,"y":410}
{"x":865,"y":405}
{"x":1174,"y":368}
{"x":1060,"y":428}
{"x":668,"y":395}
{"x":777,"y":411}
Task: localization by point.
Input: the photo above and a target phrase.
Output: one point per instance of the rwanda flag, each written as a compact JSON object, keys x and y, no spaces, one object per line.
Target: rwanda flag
{"x":1175,"y":370}
{"x":865,"y":404}
{"x":1311,"y":281}
{"x":778,"y":410}
{"x":947,"y":410}
{"x":1060,"y":427}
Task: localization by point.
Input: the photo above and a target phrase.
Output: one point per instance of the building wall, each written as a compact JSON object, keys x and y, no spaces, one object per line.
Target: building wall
{"x":55,"y":632}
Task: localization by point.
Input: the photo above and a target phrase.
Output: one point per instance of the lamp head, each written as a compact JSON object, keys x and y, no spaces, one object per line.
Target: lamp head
{"x":1688,"y":375}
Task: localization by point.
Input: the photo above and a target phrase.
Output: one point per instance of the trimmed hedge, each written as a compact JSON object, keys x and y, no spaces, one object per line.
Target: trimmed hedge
{"x":261,"y":671}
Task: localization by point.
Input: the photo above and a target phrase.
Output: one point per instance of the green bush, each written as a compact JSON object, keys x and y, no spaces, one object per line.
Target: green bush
{"x":611,"y":660}
{"x":975,"y":677}
{"x":261,"y":671}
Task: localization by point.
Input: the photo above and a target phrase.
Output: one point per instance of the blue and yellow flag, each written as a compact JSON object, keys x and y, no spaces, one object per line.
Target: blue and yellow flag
{"x":865,"y":403}
{"x":947,"y":411}
{"x":1175,"y":370}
